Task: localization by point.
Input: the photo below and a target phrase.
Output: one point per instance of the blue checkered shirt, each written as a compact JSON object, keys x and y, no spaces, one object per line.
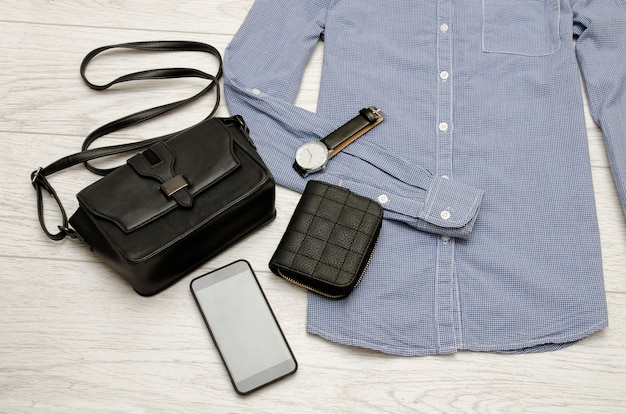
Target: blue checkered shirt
{"x":490,"y":240}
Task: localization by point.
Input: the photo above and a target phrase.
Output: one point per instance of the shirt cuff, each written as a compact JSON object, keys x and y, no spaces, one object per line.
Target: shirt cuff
{"x":446,"y":207}
{"x":450,"y":208}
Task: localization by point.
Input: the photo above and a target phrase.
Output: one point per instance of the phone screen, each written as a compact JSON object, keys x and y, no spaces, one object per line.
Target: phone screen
{"x":243,"y":326}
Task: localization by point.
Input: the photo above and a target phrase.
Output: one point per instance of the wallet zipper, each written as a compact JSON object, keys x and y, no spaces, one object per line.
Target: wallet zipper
{"x":307,"y":287}
{"x":295,"y":282}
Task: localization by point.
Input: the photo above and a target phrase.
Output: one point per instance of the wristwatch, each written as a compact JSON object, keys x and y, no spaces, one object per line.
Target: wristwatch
{"x":313,"y":156}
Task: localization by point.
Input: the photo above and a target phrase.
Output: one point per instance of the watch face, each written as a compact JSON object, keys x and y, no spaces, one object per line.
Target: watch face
{"x":312,"y":155}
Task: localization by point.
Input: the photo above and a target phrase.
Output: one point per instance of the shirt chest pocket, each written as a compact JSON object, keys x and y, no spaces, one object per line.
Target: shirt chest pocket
{"x":521,"y":27}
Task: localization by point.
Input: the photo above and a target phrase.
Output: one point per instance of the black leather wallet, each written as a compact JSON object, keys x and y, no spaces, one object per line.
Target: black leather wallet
{"x":329,"y":240}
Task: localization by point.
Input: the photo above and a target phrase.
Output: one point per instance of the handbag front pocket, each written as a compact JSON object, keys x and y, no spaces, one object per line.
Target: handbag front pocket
{"x":529,"y":28}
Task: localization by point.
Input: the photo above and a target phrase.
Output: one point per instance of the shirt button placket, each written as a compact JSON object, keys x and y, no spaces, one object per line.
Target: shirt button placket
{"x":444,"y":286}
{"x":444,"y":90}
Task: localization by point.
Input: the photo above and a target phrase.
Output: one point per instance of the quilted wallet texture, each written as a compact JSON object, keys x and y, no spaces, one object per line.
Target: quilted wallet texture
{"x":329,"y":240}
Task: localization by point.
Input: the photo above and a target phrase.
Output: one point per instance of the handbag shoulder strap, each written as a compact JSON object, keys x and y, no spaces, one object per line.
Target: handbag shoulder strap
{"x":39,"y":176}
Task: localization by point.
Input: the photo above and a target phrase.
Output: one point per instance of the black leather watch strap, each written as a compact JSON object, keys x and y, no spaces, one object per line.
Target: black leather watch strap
{"x":351,"y":130}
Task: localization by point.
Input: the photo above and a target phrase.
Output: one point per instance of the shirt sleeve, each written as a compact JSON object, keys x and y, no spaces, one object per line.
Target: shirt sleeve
{"x":601,"y":49}
{"x":263,"y":69}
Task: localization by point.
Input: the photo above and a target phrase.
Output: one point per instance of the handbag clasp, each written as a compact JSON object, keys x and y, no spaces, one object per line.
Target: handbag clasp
{"x":173,"y":185}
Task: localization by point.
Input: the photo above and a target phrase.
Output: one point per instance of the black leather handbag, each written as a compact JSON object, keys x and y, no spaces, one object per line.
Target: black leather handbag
{"x":175,"y":205}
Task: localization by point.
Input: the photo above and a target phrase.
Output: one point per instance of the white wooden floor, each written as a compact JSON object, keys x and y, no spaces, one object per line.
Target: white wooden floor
{"x":76,"y":339}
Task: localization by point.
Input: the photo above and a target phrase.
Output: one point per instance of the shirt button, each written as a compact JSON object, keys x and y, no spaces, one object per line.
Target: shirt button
{"x":445,"y":239}
{"x":443,"y":127}
{"x":255,"y":91}
{"x":444,"y":28}
{"x":444,"y":75}
{"x":445,"y":214}
{"x":383,"y":199}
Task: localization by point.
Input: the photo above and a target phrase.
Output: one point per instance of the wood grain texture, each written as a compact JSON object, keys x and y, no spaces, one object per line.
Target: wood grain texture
{"x":74,"y":338}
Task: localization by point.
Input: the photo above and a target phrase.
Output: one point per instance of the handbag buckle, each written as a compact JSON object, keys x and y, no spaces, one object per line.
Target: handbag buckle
{"x":173,"y":185}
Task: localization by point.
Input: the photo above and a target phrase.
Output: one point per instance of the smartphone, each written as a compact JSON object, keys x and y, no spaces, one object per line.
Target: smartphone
{"x":243,"y":327}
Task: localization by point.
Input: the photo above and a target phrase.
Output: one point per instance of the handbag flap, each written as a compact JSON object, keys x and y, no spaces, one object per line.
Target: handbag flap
{"x":165,"y":176}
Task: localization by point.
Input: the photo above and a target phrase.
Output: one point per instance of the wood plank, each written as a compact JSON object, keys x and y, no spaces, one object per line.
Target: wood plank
{"x":209,"y":17}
